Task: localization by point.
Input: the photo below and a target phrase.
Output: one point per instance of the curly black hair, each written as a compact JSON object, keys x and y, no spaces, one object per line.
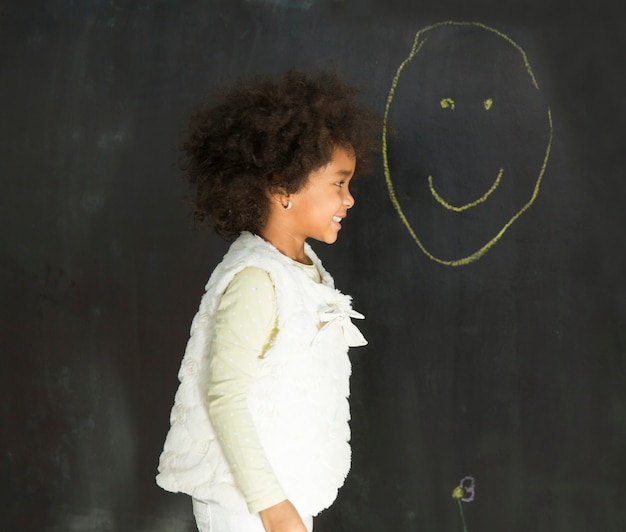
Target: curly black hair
{"x":269,"y":134}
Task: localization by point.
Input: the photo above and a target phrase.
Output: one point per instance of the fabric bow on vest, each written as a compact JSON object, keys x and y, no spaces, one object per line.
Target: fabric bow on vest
{"x":337,"y":315}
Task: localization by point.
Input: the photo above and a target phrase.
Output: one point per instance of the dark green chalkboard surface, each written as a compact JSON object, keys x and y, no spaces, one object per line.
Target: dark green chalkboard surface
{"x":487,"y":252}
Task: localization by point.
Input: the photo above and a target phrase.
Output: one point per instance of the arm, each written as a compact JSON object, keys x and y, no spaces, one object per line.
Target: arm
{"x":245,"y":324}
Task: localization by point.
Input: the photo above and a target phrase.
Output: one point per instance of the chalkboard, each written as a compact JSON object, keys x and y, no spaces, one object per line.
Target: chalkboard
{"x":486,"y":251}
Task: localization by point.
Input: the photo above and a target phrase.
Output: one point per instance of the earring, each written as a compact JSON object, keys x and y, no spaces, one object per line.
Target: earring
{"x":288,"y":206}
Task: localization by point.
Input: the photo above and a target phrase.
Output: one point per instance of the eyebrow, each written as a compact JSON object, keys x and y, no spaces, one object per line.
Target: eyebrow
{"x":345,"y":173}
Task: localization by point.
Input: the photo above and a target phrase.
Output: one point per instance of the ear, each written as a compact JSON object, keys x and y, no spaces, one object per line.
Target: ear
{"x":278,"y":196}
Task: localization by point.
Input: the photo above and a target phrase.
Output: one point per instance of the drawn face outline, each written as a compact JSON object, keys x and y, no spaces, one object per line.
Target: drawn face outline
{"x":449,"y":103}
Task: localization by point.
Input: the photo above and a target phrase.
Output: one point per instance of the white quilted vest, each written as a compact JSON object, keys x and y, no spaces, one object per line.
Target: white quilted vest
{"x":299,"y":400}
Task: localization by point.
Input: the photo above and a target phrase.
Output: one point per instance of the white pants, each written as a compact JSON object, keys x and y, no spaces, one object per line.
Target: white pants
{"x":211,"y":517}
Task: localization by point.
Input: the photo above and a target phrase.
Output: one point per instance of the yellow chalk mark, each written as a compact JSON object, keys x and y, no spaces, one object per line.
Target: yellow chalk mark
{"x":488,"y":103}
{"x":418,"y":42}
{"x":467,"y":205}
{"x":457,"y":492}
{"x":447,"y":103}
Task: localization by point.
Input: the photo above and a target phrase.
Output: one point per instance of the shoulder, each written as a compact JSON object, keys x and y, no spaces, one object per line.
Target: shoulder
{"x":251,"y":279}
{"x":250,"y":290}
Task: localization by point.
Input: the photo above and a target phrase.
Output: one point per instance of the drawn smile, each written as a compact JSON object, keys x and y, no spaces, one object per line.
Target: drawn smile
{"x":461,"y":208}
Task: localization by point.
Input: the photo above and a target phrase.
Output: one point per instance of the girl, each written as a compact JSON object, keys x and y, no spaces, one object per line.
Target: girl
{"x":259,"y":429}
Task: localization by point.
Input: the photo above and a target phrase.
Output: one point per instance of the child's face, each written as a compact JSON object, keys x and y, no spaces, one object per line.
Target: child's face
{"x":320,"y":206}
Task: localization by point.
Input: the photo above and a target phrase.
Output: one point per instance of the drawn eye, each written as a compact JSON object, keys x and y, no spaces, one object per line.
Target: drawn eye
{"x":488,"y":103}
{"x":447,"y":103}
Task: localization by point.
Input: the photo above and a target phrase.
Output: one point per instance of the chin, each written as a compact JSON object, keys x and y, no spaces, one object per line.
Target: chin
{"x":330,"y":239}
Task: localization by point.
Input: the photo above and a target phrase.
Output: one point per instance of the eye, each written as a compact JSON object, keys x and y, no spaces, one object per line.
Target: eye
{"x":340,"y":183}
{"x":488,"y":103}
{"x":447,"y":103}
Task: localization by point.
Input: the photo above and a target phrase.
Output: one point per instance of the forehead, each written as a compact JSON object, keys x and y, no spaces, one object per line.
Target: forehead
{"x":343,"y":161}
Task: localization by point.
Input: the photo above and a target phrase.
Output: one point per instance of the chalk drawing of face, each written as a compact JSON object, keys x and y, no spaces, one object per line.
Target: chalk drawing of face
{"x":471,"y":141}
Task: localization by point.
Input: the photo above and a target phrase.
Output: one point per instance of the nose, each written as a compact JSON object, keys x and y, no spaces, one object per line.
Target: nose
{"x":348,"y":199}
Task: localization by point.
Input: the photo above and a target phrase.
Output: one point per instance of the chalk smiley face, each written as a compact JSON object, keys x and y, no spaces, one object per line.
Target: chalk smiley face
{"x":467,"y":109}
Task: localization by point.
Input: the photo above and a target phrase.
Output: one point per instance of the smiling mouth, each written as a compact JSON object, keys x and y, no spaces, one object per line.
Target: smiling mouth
{"x":467,"y":205}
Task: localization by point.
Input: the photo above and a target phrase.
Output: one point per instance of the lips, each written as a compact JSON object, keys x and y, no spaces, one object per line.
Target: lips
{"x":337,"y":220}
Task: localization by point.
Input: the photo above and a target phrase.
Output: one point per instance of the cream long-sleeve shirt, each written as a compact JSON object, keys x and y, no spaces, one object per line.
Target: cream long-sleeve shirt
{"x":244,"y":328}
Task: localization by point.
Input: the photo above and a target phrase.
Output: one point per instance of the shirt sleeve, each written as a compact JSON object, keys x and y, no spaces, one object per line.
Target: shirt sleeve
{"x":245,"y":324}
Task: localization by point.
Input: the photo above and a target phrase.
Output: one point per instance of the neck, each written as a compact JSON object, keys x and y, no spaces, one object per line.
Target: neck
{"x":289,"y":245}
